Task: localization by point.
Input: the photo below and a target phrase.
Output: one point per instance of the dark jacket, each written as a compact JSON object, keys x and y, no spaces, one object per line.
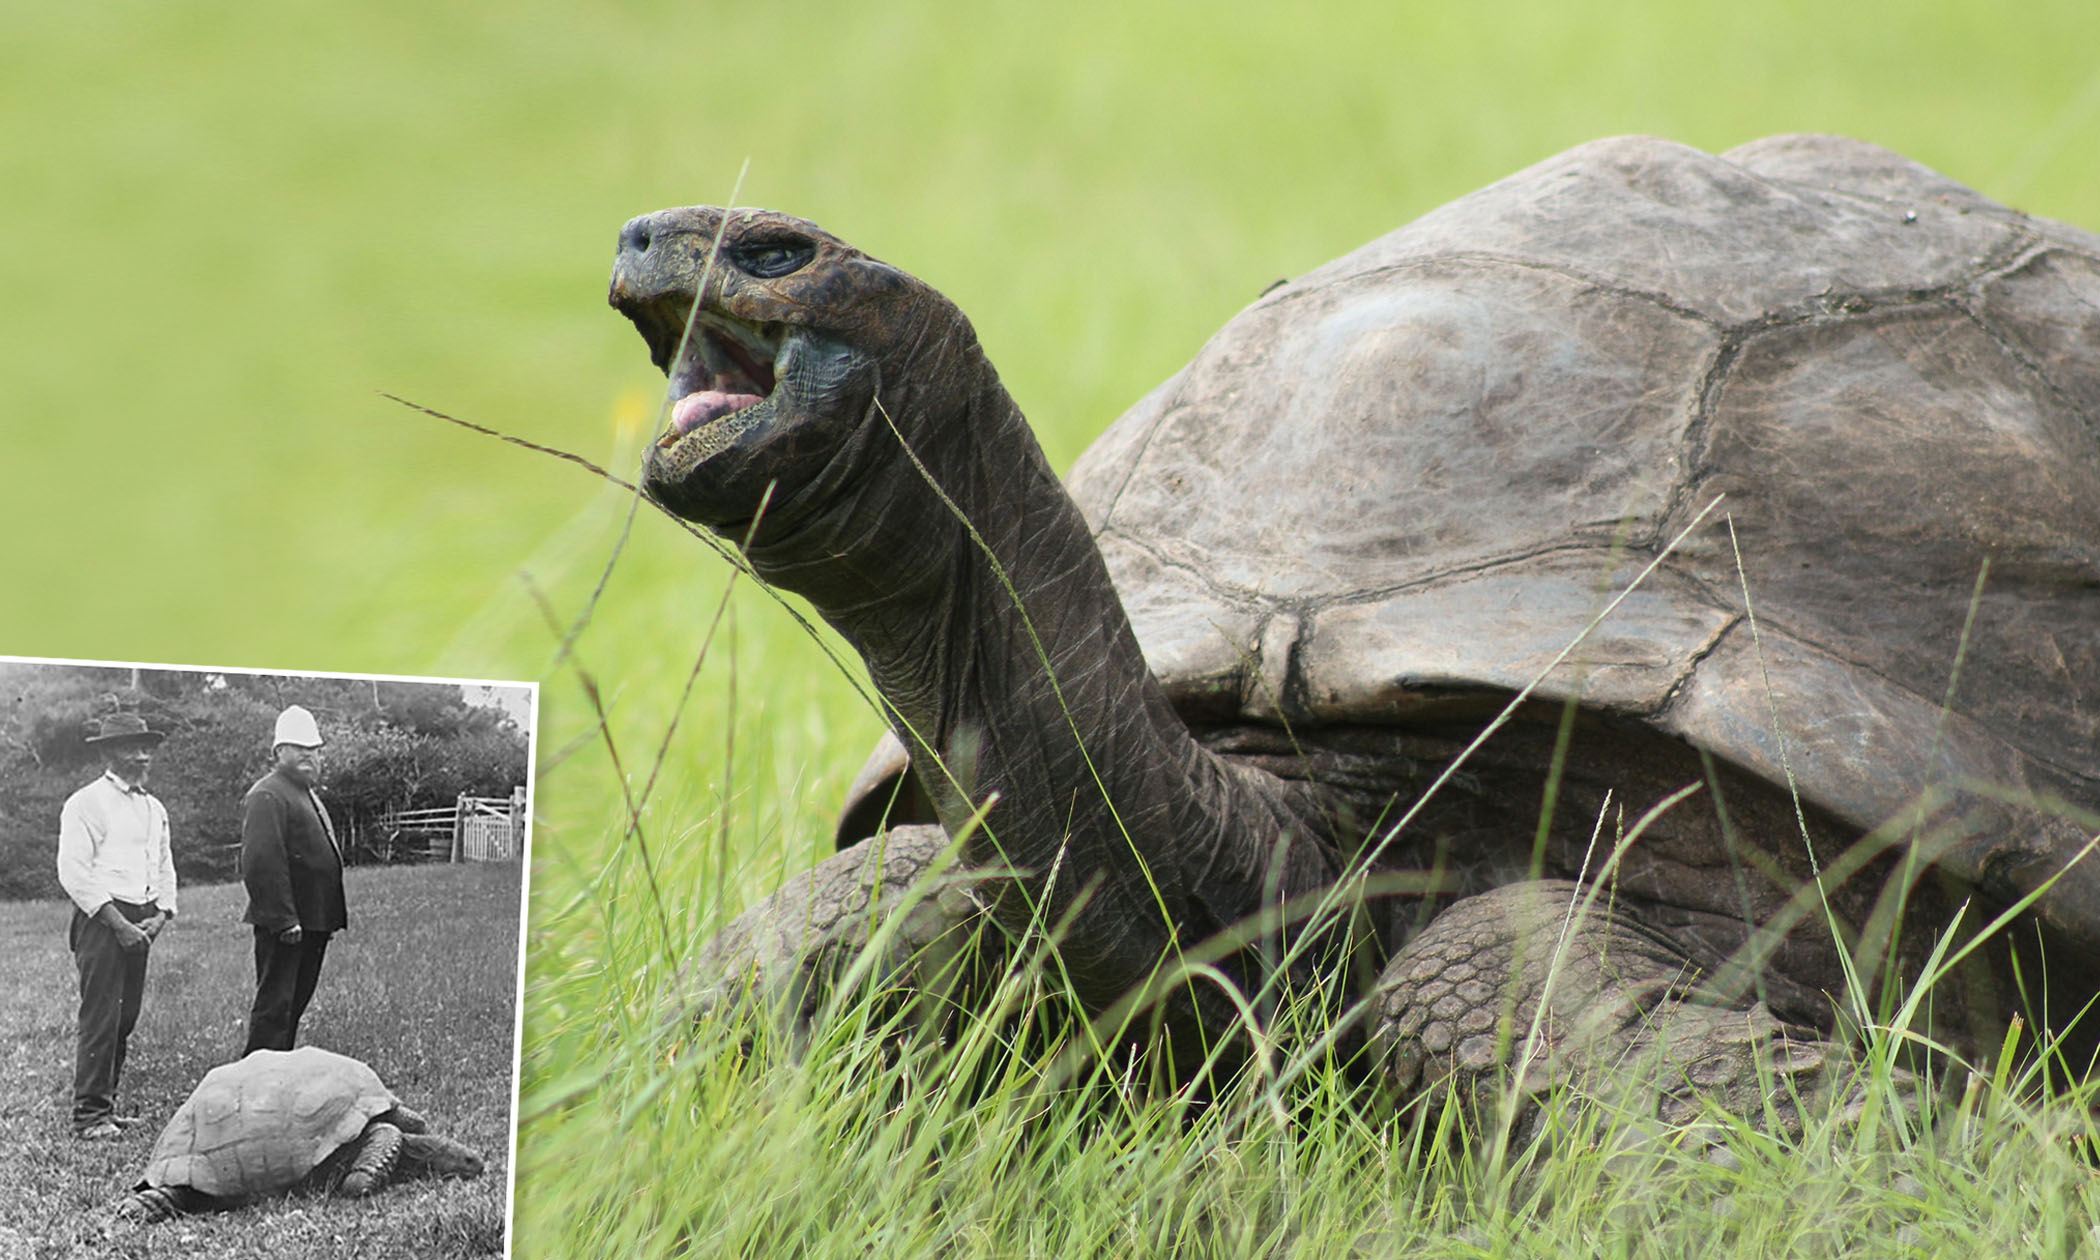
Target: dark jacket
{"x":293,"y":872}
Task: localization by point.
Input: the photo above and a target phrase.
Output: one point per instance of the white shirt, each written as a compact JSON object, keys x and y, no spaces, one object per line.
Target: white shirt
{"x":113,"y":845}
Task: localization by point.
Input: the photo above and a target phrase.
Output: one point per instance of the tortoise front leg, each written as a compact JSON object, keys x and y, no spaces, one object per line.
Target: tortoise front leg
{"x":371,"y":1161}
{"x":1524,"y":989}
{"x":787,"y":953}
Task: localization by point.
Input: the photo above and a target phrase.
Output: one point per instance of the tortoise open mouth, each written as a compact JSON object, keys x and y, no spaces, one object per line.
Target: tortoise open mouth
{"x":726,"y":366}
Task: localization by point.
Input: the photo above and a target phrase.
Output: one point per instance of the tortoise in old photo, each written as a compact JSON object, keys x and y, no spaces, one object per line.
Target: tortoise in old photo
{"x":277,"y":1119}
{"x":1809,"y":432}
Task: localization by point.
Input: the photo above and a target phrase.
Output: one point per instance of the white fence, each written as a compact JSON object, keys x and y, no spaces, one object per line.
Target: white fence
{"x":491,"y":829}
{"x":472,"y":829}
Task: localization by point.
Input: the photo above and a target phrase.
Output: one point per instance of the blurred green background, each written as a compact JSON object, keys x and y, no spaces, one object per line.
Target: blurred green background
{"x":226,"y":227}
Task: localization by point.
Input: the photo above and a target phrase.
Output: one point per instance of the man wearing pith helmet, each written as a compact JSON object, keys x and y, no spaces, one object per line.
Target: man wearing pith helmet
{"x":116,"y":862}
{"x":293,"y":868}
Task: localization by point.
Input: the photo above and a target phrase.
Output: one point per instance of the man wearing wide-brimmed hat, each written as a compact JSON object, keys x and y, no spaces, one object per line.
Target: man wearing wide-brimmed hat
{"x":293,"y":868}
{"x":116,"y":862}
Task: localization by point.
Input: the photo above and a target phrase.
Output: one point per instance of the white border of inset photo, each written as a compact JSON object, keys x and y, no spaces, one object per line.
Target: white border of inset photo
{"x":364,"y":895}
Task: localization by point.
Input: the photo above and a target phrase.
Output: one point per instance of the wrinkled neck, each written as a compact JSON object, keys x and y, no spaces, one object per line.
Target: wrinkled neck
{"x":969,"y":582}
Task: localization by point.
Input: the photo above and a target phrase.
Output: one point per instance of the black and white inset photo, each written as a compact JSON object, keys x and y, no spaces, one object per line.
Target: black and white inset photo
{"x":262,"y":934}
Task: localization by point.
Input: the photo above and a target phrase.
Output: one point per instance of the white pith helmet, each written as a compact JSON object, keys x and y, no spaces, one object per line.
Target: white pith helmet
{"x":296,"y":726}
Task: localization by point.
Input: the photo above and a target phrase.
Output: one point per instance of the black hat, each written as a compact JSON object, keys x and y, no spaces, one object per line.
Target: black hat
{"x":125,"y":728}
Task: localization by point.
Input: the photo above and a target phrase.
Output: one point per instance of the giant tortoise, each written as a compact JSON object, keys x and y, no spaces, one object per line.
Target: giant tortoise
{"x":1582,"y":621}
{"x":279,"y":1118}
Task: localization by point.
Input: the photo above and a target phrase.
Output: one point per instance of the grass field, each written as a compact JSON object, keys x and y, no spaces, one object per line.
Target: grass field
{"x":422,"y":988}
{"x":225,"y":226}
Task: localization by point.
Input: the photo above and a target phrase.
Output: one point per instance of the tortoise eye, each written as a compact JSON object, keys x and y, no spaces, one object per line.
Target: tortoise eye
{"x":771,"y":258}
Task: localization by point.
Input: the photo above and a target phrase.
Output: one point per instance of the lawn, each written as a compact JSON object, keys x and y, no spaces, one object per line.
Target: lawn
{"x":226,"y":226}
{"x":423,"y":988}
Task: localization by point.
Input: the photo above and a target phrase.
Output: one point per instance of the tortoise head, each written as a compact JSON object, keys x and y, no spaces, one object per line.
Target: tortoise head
{"x":775,"y":336}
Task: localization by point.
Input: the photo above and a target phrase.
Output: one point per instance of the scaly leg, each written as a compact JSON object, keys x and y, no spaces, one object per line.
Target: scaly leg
{"x":1522,"y":988}
{"x":372,"y":1159}
{"x":789,"y":950}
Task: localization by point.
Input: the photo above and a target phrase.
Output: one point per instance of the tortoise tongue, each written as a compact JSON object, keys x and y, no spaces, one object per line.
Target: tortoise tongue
{"x":704,"y":405}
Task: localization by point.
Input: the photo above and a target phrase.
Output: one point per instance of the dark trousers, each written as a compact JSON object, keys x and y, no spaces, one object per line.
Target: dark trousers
{"x":112,"y":985}
{"x":285,"y":976}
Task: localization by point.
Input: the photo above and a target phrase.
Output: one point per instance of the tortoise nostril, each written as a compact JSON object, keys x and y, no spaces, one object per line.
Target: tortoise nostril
{"x":636,"y":236}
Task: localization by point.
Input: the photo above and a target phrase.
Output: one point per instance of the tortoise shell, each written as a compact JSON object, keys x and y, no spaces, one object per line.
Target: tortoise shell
{"x":262,"y":1124}
{"x":1817,"y":386}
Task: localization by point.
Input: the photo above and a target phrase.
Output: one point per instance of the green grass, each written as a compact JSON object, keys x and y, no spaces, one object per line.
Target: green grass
{"x":226,"y":225}
{"x":725,"y":1143}
{"x":422,"y":987}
